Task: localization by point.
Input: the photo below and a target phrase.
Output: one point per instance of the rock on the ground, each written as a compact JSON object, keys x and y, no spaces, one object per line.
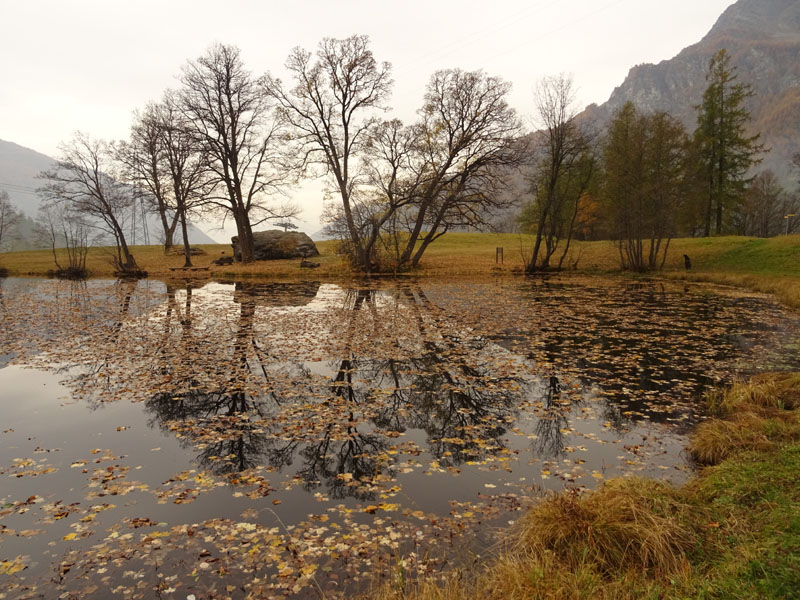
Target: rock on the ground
{"x":179,"y":251}
{"x":276,"y":244}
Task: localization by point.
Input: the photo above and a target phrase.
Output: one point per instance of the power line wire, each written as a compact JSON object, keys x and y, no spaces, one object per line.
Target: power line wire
{"x":20,"y":189}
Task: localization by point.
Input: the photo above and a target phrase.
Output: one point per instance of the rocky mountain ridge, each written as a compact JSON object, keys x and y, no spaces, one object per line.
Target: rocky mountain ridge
{"x":763,"y":40}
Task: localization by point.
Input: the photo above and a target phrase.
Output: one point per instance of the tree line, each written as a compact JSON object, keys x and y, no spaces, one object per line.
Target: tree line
{"x":647,"y":179}
{"x":231,"y":143}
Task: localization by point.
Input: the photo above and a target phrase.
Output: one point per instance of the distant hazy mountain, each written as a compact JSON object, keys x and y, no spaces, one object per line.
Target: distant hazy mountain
{"x":763,"y":39}
{"x":19,"y":167}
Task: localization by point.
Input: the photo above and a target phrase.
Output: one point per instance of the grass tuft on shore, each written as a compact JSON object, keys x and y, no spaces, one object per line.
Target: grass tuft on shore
{"x":628,"y":524}
{"x":753,"y":416}
{"x":732,"y":532}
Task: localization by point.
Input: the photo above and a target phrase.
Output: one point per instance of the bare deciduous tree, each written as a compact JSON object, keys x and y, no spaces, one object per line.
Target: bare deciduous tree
{"x":9,"y":217}
{"x":467,"y":142}
{"x":63,"y":227}
{"x":232,"y":116}
{"x":445,"y":171}
{"x":764,"y":208}
{"x":83,"y":180}
{"x":166,"y":160}
{"x":143,"y":157}
{"x":394,"y":174}
{"x":563,"y":170}
{"x":329,"y":107}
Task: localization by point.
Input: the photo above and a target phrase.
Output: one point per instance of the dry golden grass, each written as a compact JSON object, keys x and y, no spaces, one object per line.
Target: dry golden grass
{"x":766,"y":265}
{"x":628,"y":524}
{"x":762,"y":392}
{"x":158,"y":264}
{"x":628,"y":536}
{"x":785,"y":288}
{"x":716,"y":440}
{"x":757,"y":415}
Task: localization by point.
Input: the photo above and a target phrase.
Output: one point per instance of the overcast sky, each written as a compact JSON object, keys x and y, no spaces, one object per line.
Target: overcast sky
{"x":85,"y":65}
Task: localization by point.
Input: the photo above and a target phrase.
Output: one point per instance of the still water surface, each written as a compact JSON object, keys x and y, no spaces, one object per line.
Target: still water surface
{"x":236,"y":439}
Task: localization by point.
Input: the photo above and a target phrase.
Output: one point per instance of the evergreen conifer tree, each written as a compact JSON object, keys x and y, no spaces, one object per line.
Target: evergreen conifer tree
{"x":727,"y":152}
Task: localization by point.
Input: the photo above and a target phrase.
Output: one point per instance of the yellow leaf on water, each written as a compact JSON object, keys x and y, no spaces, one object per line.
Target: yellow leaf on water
{"x":9,"y":567}
{"x":158,"y":534}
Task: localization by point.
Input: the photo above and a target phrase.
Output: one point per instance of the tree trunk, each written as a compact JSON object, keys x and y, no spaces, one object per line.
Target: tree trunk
{"x":187,"y":250}
{"x":168,"y":231}
{"x":709,"y":205}
{"x":412,"y":240}
{"x":531,"y":268}
{"x":245,"y":235}
{"x":127,"y":262}
{"x":246,"y":242}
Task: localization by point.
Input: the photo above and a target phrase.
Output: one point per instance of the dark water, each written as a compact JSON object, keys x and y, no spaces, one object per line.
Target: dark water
{"x":236,"y":439}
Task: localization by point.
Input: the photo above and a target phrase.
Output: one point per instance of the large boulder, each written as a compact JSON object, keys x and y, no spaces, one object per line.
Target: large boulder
{"x":276,"y":244}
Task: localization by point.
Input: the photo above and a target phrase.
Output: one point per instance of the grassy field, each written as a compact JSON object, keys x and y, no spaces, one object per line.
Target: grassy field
{"x":766,"y":265}
{"x":732,"y":532}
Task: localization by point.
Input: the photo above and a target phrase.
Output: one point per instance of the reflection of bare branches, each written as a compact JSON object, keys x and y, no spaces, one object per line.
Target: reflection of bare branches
{"x":4,"y":356}
{"x":355,"y":453}
{"x":227,"y":419}
{"x":475,"y":405}
{"x":125,"y":290}
{"x":228,"y":426}
{"x":211,"y":376}
{"x":550,"y":438}
{"x":93,"y":378}
{"x":450,"y":391}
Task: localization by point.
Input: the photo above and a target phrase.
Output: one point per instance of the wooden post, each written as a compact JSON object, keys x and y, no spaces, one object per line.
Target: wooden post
{"x":498,"y":256}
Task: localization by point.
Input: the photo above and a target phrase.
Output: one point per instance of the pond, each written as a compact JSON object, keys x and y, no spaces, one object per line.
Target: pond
{"x":240,"y":439}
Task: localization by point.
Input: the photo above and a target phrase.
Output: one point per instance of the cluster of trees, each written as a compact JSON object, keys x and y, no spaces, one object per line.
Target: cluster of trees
{"x":18,"y":231}
{"x":231,"y":142}
{"x":214,"y":144}
{"x":399,"y":187}
{"x":648,"y":179}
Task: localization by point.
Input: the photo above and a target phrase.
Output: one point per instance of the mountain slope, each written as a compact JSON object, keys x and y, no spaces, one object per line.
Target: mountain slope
{"x":763,"y":39}
{"x":19,"y":167}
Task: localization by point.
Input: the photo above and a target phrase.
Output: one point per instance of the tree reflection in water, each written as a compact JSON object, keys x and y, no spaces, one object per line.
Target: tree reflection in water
{"x":271,"y":376}
{"x":447,"y":392}
{"x":553,"y":421}
{"x":355,"y":395}
{"x":227,"y":421}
